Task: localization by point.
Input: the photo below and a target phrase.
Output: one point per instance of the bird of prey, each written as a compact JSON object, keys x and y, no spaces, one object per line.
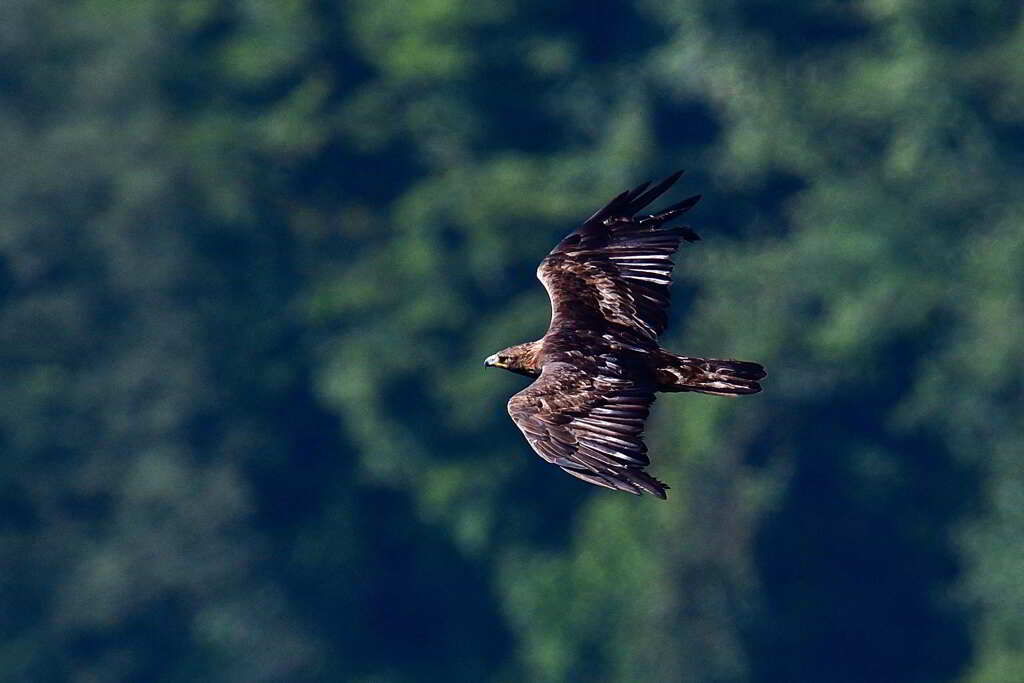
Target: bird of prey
{"x":597,"y":368}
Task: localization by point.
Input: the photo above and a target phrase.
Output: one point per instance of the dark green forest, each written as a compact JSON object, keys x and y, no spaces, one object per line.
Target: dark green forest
{"x":253,"y":253}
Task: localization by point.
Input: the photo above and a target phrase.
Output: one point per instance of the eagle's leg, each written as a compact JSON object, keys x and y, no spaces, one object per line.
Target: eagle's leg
{"x":707,"y":375}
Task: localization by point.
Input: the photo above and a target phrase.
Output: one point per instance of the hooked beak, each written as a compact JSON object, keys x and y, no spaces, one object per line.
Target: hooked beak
{"x":492,"y":362}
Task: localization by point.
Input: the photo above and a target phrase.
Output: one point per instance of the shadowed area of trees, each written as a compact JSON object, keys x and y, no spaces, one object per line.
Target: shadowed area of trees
{"x":253,"y":253}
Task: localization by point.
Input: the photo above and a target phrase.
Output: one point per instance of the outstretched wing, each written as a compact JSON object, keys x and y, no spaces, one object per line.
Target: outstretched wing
{"x":590,"y":425}
{"x":616,"y":268}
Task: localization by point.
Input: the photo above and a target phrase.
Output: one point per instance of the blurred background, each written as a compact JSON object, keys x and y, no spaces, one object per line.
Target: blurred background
{"x":253,"y":252}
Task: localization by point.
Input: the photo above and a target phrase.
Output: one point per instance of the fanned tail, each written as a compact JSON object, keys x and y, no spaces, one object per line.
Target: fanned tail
{"x":709,"y":375}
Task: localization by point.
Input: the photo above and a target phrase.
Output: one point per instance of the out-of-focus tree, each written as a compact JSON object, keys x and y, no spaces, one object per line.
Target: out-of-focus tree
{"x":178,"y":504}
{"x":251,"y":256}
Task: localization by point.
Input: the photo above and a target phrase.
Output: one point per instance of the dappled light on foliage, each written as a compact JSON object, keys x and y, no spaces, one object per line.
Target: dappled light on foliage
{"x":253,"y":253}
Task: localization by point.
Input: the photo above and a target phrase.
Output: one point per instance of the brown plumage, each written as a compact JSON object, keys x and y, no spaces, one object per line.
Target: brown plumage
{"x":599,"y":365}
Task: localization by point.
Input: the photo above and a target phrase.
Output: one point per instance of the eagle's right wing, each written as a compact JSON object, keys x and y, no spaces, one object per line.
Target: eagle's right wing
{"x":589,"y":425}
{"x":615,"y":270}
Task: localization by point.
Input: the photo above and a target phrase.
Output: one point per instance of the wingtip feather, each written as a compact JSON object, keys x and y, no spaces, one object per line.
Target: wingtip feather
{"x":649,"y":484}
{"x":650,"y":195}
{"x":628,"y":203}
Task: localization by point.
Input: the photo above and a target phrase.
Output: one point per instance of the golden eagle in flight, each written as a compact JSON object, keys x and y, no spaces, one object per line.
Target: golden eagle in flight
{"x":599,"y":365}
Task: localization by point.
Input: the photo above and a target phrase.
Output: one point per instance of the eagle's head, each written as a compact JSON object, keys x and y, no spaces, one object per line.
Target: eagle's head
{"x":520,"y":359}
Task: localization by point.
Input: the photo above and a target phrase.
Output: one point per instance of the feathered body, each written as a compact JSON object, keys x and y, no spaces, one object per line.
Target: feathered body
{"x":599,"y":365}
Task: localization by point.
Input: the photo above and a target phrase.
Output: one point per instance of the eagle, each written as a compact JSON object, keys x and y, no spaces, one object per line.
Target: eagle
{"x":597,"y":369}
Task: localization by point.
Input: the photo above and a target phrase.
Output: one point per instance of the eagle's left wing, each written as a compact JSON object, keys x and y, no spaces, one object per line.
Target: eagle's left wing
{"x":615,"y":270}
{"x":589,"y":425}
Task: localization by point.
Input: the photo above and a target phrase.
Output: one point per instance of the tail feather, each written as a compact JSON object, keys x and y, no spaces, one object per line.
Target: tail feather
{"x":709,"y":375}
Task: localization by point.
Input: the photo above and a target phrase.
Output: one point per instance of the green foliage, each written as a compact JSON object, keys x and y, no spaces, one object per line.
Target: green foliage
{"x":252,"y":254}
